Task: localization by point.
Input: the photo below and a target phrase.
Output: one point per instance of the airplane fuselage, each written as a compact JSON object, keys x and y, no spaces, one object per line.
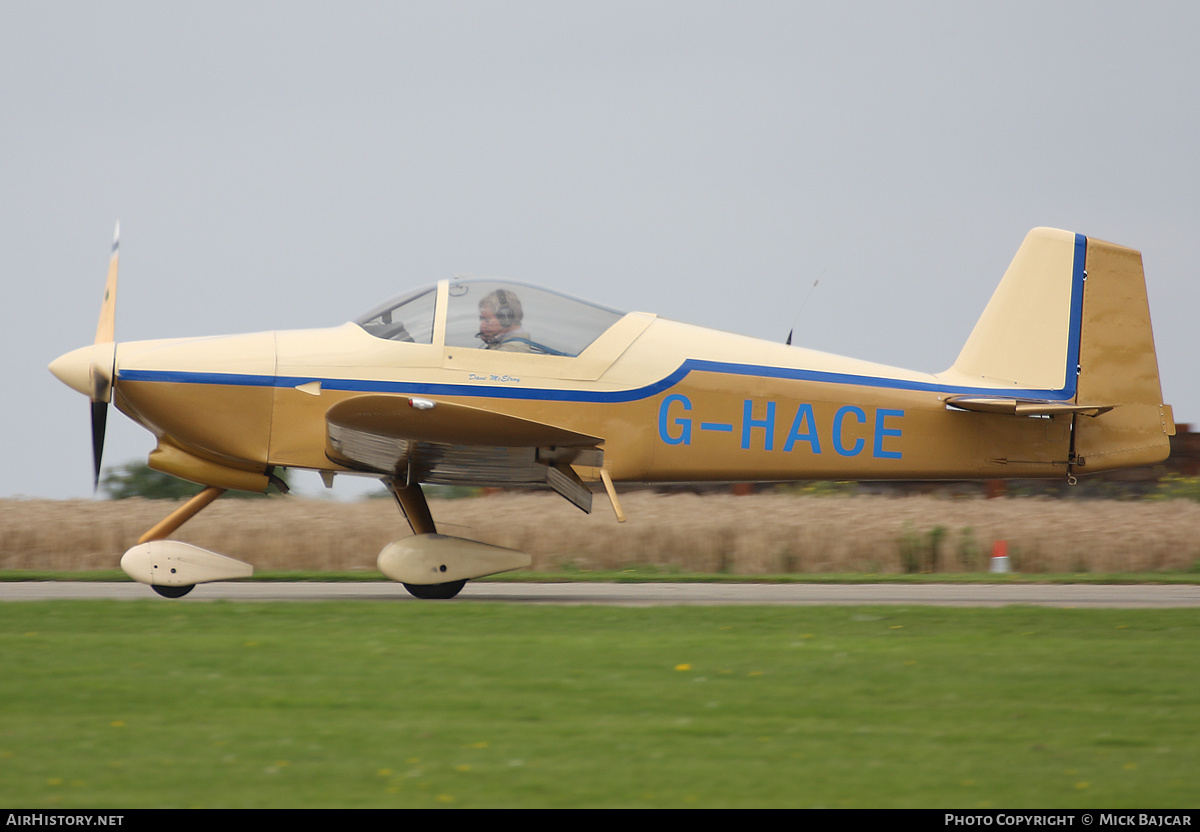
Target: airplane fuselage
{"x":737,"y":409}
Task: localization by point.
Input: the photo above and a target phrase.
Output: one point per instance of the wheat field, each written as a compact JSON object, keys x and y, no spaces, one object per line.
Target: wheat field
{"x":753,"y":534}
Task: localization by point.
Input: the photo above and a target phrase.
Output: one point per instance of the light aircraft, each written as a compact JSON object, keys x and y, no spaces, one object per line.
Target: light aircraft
{"x":489,"y":382}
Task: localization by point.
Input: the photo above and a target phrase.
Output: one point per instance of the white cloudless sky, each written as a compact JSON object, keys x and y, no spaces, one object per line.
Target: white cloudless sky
{"x":289,"y":164}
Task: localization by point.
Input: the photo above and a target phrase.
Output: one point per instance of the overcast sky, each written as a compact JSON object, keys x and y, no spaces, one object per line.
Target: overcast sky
{"x":291,"y":164}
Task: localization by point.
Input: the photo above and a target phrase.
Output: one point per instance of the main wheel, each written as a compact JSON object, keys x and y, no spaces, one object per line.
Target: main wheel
{"x":172,"y":591}
{"x":435,"y":591}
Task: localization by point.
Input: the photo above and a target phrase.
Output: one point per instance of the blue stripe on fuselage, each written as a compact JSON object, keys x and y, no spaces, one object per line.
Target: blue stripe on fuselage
{"x":597,"y":396}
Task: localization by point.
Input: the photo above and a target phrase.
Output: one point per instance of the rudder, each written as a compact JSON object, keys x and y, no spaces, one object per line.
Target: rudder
{"x":1118,"y":365}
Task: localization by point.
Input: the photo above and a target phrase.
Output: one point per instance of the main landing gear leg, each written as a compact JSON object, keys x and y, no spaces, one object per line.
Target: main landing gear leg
{"x":411,"y":500}
{"x":181,"y":515}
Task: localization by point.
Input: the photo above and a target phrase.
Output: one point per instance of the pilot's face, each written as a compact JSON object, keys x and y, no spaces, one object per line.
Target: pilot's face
{"x":489,"y":325}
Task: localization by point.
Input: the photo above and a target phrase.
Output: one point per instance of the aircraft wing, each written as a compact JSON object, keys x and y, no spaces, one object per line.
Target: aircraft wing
{"x":418,"y":440}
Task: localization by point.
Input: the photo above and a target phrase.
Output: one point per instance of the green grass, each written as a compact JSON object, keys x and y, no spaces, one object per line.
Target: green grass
{"x":145,"y":704}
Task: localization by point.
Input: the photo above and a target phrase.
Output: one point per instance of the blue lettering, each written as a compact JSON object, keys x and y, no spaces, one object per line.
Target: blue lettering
{"x":804,"y":414}
{"x":881,"y":431}
{"x":684,"y":436}
{"x":675,"y":427}
{"x":838,"y":418}
{"x":749,"y":423}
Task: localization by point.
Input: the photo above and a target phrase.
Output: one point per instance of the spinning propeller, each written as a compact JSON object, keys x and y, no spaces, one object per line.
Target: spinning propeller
{"x":91,"y":370}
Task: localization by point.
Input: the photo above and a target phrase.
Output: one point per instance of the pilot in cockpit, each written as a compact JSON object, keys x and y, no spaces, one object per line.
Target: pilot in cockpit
{"x":500,"y":323}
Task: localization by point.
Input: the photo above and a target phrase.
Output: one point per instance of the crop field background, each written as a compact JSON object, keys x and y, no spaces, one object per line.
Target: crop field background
{"x":769,"y":533}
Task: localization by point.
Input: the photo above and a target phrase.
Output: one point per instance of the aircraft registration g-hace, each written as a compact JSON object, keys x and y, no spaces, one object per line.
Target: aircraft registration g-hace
{"x":489,"y":382}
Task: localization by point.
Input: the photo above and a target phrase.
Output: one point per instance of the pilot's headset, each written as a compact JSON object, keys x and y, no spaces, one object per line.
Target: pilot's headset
{"x":508,"y":308}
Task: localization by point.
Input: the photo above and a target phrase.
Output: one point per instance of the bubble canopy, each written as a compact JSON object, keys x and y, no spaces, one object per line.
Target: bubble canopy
{"x":489,"y":313}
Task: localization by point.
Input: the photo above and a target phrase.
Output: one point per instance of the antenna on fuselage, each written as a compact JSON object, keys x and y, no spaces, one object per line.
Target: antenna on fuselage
{"x":803,"y":303}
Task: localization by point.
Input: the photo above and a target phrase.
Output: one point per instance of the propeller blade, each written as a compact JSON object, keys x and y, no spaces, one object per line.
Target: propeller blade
{"x":93,"y":370}
{"x":106,"y":326}
{"x":103,"y":369}
{"x":99,"y":421}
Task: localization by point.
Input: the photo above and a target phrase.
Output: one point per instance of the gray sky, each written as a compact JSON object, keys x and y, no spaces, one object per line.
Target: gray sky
{"x":291,"y":164}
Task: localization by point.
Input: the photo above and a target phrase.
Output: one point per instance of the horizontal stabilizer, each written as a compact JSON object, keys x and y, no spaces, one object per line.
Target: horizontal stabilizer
{"x":1024,"y":407}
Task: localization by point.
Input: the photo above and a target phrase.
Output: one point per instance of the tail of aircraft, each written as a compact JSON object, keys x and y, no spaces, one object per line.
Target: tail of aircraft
{"x":1068,"y":332}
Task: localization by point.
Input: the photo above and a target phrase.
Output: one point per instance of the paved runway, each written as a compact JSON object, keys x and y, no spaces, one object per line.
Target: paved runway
{"x":960,"y":595}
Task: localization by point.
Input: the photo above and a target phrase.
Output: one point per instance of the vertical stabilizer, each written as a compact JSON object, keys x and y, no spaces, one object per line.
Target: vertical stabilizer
{"x":1068,"y":330}
{"x":1026,"y":339}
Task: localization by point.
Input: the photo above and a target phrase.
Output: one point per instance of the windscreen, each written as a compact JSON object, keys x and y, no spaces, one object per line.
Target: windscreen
{"x":408,"y":318}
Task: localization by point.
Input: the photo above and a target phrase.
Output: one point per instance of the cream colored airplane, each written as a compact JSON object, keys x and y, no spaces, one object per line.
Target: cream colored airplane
{"x":489,"y":382}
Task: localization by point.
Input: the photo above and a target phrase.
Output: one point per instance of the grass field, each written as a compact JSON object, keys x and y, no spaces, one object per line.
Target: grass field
{"x":142,"y":704}
{"x":379,"y":704}
{"x":775,"y":533}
